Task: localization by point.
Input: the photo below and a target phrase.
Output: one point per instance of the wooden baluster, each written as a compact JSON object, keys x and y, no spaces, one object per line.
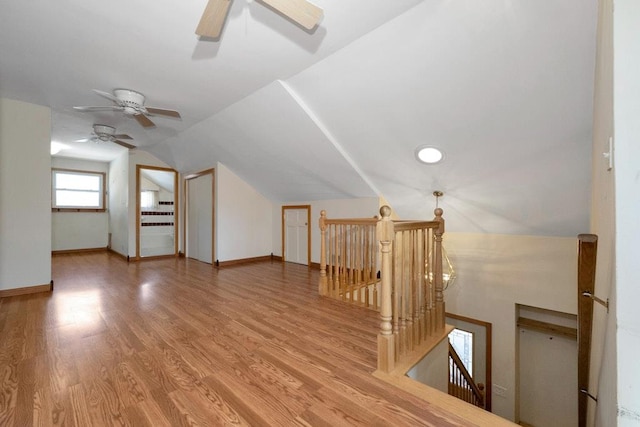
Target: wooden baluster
{"x":350,"y":271}
{"x":373,"y":263}
{"x":421,"y":284}
{"x":437,"y":271}
{"x":352,"y":261}
{"x":398,"y":286}
{"x":330,"y":261}
{"x":343,"y":270}
{"x":386,"y":345}
{"x":338,"y":269}
{"x":411,"y":295}
{"x":429,"y":275}
{"x":415,"y":290}
{"x":322,"y":286}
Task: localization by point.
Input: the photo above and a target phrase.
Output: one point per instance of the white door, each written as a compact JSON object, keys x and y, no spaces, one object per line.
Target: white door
{"x":200,"y":218}
{"x":296,"y":236}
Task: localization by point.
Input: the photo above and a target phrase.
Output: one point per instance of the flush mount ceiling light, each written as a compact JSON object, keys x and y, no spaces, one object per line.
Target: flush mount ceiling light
{"x":429,"y":155}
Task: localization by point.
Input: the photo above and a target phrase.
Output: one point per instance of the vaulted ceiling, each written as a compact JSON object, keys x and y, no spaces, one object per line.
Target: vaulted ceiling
{"x":503,"y":87}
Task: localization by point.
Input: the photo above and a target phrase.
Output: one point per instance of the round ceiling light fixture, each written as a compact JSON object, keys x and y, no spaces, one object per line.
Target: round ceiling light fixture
{"x":429,"y":155}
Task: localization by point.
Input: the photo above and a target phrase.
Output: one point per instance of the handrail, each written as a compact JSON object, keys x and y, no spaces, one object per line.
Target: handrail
{"x":587,"y":254}
{"x":463,"y":387}
{"x":349,"y":221}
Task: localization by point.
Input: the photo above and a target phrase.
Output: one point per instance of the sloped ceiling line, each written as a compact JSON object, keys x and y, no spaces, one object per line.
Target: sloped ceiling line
{"x":327,"y":133}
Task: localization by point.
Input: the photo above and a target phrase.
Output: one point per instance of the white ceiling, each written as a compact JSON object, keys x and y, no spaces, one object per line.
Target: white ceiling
{"x":504,"y":87}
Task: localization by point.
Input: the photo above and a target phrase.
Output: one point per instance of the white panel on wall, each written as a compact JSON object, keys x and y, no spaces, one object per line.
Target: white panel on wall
{"x":433,"y":369}
{"x":25,"y":194}
{"x":79,"y":230}
{"x":118,"y":204}
{"x":627,"y":207}
{"x":243,"y":218}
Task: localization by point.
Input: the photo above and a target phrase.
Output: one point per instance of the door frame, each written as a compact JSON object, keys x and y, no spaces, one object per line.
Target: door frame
{"x":175,"y":209}
{"x":185,"y":201}
{"x":308,"y":208}
{"x":487,"y":326}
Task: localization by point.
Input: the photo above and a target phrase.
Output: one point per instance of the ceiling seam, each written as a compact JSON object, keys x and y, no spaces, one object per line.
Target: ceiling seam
{"x":325,"y":131}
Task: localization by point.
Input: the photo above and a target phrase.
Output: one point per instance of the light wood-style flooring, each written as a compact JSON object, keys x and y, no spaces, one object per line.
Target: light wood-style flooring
{"x":177,"y":342}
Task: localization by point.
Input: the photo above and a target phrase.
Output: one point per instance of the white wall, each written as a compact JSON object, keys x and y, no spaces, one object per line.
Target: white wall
{"x":602,"y":376}
{"x":118,"y":197}
{"x":243,"y":218}
{"x":433,"y":369}
{"x":80,"y":230}
{"x":496,"y":272}
{"x":627,"y":206}
{"x":25,"y":194}
{"x":340,"y":208}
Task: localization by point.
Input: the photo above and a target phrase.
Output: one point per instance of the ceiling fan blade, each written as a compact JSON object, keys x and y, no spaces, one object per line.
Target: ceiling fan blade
{"x":124,"y":144}
{"x":122,"y":136}
{"x":301,"y":11}
{"x":106,"y":108}
{"x":144,"y":121}
{"x":107,"y":95}
{"x":213,"y":18}
{"x":163,"y":112}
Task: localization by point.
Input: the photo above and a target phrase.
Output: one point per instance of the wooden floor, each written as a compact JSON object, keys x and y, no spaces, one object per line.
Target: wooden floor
{"x":177,"y":342}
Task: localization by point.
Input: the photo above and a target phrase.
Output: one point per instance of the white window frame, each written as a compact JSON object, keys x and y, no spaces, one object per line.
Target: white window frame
{"x":77,"y":208}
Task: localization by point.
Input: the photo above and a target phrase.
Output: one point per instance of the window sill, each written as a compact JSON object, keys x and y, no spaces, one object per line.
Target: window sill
{"x":77,"y":210}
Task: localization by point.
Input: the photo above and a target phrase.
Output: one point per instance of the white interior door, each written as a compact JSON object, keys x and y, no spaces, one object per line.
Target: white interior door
{"x":200,"y":218}
{"x":296,"y":236}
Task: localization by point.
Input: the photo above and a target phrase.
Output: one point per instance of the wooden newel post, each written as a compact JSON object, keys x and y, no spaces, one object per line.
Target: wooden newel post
{"x":323,"y":288}
{"x":386,"y":345}
{"x":437,"y":270}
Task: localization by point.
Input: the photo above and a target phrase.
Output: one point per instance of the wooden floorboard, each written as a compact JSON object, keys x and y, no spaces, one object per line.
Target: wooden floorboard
{"x":176,"y":342}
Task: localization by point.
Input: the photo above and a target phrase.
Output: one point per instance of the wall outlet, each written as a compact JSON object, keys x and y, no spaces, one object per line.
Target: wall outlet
{"x":498,"y":390}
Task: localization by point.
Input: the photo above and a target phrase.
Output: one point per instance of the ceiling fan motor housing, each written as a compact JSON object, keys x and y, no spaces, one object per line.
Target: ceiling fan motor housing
{"x":131,"y":100}
{"x":104,"y":132}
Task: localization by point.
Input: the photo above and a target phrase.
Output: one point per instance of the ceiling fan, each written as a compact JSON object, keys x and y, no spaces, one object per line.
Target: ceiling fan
{"x":107,"y":133}
{"x":131,"y":103}
{"x":304,"y":13}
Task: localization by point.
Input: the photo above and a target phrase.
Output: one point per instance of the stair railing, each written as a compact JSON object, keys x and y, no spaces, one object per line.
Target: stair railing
{"x":348,"y":260}
{"x":461,"y":384}
{"x":412,"y":306}
{"x":391,"y":266}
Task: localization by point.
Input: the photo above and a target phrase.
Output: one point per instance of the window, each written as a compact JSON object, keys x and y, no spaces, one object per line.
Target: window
{"x":148,"y":199}
{"x":462,"y":342}
{"x":77,"y":190}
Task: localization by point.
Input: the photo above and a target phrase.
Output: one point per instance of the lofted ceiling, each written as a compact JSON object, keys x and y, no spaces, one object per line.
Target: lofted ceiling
{"x":503,"y":87}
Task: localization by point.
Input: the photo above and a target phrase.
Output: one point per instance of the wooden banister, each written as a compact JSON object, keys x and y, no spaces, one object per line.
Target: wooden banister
{"x":461,"y":384}
{"x":392,"y":266}
{"x":587,"y":251}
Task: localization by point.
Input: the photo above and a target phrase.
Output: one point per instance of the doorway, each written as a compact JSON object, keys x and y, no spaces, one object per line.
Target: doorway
{"x":296,"y":234}
{"x":476,"y":335}
{"x":199,"y":227}
{"x":156,"y":213}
